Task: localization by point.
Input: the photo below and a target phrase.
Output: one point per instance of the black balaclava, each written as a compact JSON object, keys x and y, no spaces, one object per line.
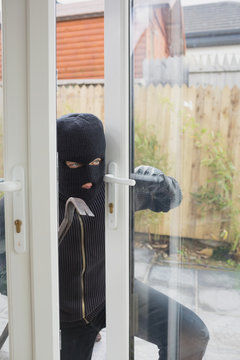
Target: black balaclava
{"x":80,"y":138}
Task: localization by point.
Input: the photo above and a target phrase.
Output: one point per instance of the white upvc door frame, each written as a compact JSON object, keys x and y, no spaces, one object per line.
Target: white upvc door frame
{"x":116,"y":19}
{"x":29,"y":87}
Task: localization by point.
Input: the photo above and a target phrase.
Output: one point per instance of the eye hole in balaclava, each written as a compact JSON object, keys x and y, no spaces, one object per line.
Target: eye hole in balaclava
{"x":80,"y":138}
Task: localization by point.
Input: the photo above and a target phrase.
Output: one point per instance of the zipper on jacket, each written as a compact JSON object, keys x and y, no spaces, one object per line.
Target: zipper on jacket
{"x":83,"y":269}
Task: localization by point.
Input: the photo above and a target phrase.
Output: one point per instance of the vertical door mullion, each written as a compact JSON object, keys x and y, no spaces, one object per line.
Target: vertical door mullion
{"x":15,"y":153}
{"x":117,"y":136}
{"x":42,"y":176}
{"x":29,"y":86}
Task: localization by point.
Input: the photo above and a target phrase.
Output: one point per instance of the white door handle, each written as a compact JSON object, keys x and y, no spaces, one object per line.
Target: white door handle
{"x":113,"y":181}
{"x":17,"y":187}
{"x":10,"y":186}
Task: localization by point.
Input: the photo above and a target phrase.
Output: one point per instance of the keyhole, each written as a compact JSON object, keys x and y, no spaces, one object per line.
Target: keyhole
{"x":18,"y":224}
{"x":111,"y":208}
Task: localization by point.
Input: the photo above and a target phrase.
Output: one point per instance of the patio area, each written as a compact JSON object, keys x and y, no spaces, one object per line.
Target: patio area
{"x":213,"y":294}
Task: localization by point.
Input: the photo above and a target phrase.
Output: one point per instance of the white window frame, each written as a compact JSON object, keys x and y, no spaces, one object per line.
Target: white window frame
{"x":116,"y":19}
{"x":29,"y":86}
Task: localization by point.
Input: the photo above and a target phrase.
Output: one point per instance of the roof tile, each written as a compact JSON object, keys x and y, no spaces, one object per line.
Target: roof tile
{"x":212,"y":17}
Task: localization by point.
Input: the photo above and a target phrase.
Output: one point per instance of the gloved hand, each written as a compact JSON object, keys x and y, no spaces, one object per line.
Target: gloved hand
{"x":154,"y":190}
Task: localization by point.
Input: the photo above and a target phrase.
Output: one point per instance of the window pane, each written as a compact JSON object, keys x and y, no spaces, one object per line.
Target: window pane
{"x":185,"y":138}
{"x":80,"y":90}
{"x":4,"y":351}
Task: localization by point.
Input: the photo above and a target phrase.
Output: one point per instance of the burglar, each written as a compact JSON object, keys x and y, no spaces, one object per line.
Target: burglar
{"x":81,"y":160}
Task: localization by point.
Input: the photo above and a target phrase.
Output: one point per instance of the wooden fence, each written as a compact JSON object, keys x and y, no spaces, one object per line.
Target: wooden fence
{"x":81,"y":99}
{"x":175,"y":115}
{"x":187,"y":120}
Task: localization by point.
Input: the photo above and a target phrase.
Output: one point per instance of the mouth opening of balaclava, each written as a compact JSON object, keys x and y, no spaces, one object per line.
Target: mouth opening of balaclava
{"x":80,"y":138}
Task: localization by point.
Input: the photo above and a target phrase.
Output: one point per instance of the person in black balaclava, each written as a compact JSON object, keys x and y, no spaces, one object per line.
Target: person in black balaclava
{"x":82,"y":146}
{"x":81,"y":159}
{"x":81,"y":151}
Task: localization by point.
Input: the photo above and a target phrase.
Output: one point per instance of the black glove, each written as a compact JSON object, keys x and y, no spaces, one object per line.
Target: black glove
{"x":154,"y":190}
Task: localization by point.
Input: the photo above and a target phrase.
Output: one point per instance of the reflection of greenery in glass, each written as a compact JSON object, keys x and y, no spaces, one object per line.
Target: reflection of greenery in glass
{"x":217,"y":195}
{"x":218,"y":198}
{"x":147,"y":148}
{"x":148,"y":152}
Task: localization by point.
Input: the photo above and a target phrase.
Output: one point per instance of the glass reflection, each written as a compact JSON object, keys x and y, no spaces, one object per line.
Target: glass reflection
{"x":185,"y":138}
{"x":4,"y":344}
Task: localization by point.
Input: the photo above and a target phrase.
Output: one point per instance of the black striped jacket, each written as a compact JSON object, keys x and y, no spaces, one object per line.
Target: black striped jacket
{"x":82,"y":252}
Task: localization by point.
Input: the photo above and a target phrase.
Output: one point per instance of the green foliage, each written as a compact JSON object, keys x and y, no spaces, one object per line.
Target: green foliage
{"x":147,"y":148}
{"x":148,"y":152}
{"x":217,"y":194}
{"x":221,"y":252}
{"x":231,"y":262}
{"x":216,"y":197}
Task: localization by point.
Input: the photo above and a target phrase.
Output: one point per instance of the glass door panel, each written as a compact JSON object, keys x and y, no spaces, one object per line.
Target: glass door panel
{"x":185,"y":113}
{"x":4,"y":343}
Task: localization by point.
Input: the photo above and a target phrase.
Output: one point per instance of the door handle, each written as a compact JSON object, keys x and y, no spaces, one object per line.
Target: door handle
{"x":111,"y":179}
{"x":10,"y":186}
{"x":112,"y":192}
{"x":16,"y":186}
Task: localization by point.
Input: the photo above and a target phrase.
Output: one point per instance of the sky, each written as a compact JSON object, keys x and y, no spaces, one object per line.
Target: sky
{"x":194,"y":2}
{"x":184,"y":2}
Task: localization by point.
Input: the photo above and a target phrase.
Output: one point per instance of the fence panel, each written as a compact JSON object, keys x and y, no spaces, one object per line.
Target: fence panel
{"x":81,"y":99}
{"x":191,"y":125}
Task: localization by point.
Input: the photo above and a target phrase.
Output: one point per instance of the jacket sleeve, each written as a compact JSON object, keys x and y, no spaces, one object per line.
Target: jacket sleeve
{"x":154,"y":190}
